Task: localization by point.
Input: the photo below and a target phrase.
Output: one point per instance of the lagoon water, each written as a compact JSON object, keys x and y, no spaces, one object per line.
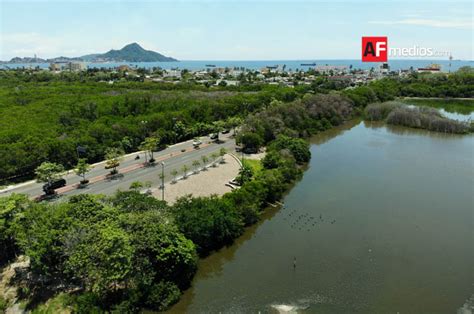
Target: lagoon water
{"x":258,"y":64}
{"x":382,"y":222}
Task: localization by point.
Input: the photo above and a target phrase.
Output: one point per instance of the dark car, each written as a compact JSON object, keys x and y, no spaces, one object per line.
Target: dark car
{"x":250,"y":150}
{"x":49,"y":188}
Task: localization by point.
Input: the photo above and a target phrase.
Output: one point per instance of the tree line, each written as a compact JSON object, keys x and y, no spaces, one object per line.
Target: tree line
{"x":45,"y":117}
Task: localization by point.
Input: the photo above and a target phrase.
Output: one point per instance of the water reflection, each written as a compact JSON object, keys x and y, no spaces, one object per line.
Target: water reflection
{"x":325,"y":136}
{"x":392,"y":211}
{"x":401,"y":130}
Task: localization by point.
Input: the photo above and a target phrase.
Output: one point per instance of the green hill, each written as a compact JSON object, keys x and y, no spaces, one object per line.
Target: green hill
{"x":130,"y":53}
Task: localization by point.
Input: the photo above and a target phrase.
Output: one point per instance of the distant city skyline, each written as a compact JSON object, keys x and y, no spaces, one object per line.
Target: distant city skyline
{"x":228,"y":30}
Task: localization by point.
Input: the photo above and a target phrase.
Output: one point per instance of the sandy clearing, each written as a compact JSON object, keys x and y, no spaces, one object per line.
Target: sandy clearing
{"x":204,"y":183}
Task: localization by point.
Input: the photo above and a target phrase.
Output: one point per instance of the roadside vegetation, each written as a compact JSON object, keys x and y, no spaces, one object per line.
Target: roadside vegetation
{"x":45,"y":117}
{"x":132,"y":251}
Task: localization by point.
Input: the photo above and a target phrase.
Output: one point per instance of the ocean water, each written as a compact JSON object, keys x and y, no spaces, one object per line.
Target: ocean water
{"x":258,"y":64}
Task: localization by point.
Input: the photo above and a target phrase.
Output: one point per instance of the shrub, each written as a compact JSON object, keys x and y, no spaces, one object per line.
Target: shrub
{"x":85,"y":303}
{"x":251,"y":141}
{"x":380,"y":111}
{"x":3,"y":305}
{"x":162,"y":295}
{"x":208,"y":221}
{"x":426,"y":118}
{"x":298,"y":147}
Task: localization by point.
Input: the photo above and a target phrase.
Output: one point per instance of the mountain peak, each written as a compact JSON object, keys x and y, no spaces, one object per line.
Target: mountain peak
{"x":132,"y":46}
{"x":133,"y":52}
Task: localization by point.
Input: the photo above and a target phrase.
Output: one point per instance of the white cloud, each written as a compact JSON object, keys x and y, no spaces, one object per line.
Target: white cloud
{"x":465,"y":24}
{"x":29,"y":44}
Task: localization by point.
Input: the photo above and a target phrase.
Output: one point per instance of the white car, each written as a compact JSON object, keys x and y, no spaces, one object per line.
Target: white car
{"x":197,"y":142}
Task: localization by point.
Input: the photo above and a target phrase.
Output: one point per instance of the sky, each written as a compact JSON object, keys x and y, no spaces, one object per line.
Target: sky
{"x":232,"y":30}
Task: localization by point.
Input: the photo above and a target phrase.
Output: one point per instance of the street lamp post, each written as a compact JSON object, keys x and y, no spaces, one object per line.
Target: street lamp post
{"x":162,"y":181}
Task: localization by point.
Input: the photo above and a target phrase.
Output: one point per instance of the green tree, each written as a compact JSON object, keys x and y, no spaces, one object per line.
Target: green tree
{"x":101,"y":258}
{"x":208,"y":221}
{"x":234,"y":122}
{"x":82,"y":168}
{"x":150,"y":145}
{"x":162,"y":176}
{"x":213,"y":158}
{"x":174,"y":173}
{"x":136,"y":186}
{"x":299,"y":148}
{"x":250,"y":141}
{"x":245,"y":174}
{"x":10,"y":209}
{"x":113,"y":158}
{"x":196,"y":164}
{"x":217,"y":127}
{"x":160,"y":249}
{"x":222,"y":153}
{"x":48,"y":172}
{"x":204,"y":160}
{"x":185,"y":170}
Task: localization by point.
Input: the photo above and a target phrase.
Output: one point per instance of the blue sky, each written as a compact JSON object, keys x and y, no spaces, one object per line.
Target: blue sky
{"x":232,"y":30}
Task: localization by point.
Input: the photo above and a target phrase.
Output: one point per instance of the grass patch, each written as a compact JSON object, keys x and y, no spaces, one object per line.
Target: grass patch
{"x":57,"y":304}
{"x":3,"y":305}
{"x":254,"y":164}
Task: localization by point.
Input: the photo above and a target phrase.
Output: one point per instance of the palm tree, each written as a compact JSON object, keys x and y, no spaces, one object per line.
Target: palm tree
{"x":174,"y":173}
{"x":196,"y":164}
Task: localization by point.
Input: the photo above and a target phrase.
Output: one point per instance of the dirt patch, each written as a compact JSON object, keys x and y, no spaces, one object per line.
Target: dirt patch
{"x":203,"y":183}
{"x":8,"y":291}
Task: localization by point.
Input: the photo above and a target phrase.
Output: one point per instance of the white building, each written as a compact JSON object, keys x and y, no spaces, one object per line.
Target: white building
{"x":335,"y":69}
{"x":76,"y":66}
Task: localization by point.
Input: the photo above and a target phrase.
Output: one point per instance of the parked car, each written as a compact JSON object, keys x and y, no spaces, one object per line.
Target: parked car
{"x":250,"y":150}
{"x":49,"y":188}
{"x":214,"y":136}
{"x":196,"y":143}
{"x":225,"y":131}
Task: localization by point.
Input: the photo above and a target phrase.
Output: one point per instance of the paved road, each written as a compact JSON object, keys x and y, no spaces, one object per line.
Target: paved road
{"x":132,"y":170}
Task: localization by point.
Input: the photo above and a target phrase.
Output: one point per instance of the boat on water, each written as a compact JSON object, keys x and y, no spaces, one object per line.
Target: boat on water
{"x":308,"y":64}
{"x":210,"y":65}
